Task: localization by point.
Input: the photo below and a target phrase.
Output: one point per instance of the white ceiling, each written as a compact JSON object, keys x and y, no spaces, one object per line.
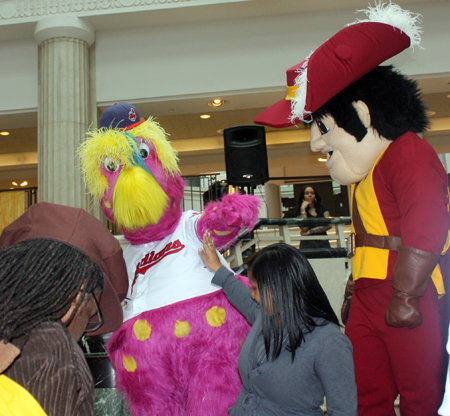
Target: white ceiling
{"x":191,"y":11}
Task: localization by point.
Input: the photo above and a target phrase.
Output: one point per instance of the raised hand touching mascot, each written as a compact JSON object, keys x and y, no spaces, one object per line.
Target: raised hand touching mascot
{"x":177,"y":350}
{"x":366,"y":118}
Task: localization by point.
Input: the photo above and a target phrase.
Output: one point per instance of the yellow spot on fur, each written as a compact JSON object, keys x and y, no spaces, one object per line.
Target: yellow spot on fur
{"x":182,"y":329}
{"x":142,"y":329}
{"x":215,"y":208}
{"x":129,"y":363}
{"x":216,"y":316}
{"x":221,"y":232}
{"x":107,"y":204}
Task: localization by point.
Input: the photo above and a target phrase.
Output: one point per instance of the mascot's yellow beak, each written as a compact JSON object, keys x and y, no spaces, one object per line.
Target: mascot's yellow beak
{"x":138,"y":199}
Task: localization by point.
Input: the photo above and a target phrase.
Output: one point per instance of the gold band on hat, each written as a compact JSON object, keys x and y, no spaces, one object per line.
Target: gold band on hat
{"x":291,"y":92}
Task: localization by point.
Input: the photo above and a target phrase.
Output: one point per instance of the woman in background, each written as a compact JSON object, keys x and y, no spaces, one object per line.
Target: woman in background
{"x":311,"y":207}
{"x":295,"y":353}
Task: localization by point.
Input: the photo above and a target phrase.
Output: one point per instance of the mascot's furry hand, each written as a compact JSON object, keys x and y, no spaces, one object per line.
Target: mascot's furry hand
{"x":227,"y":218}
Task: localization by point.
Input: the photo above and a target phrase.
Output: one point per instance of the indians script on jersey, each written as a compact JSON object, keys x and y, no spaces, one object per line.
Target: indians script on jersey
{"x":150,"y":259}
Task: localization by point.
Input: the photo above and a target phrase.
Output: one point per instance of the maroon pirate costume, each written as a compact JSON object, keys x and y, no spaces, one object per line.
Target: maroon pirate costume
{"x":365,"y":118}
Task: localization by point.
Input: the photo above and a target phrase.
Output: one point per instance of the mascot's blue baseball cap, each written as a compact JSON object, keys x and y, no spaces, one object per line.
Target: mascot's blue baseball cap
{"x":121,"y":116}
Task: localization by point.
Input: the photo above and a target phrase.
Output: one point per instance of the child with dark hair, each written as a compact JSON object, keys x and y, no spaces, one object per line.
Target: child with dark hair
{"x":62,"y":274}
{"x":295,"y":354}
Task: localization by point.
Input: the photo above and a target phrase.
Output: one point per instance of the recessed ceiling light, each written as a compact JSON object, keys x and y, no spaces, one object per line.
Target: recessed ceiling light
{"x":205,"y":116}
{"x":15,"y":183}
{"x":24,"y":183}
{"x":321,"y":159}
{"x":4,"y":133}
{"x":217,"y":102}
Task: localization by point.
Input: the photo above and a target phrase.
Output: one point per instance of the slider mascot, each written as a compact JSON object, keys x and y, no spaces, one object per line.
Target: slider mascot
{"x":177,"y":350}
{"x":366,"y":118}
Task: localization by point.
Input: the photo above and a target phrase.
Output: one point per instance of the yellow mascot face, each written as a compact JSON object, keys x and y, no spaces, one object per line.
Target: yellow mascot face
{"x":128,"y":172}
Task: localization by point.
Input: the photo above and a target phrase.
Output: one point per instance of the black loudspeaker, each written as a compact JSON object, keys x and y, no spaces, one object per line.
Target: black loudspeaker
{"x":246,"y":155}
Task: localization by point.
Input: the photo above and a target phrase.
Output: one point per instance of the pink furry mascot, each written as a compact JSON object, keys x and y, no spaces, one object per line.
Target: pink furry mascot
{"x":177,"y":350}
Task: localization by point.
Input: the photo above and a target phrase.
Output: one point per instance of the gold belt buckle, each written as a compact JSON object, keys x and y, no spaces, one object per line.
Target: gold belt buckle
{"x":351,"y":247}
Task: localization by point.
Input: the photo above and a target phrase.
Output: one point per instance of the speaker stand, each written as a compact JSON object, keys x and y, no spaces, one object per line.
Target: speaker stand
{"x":251,"y":235}
{"x":250,"y":190}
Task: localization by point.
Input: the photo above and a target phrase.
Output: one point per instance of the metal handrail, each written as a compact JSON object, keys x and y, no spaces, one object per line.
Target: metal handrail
{"x":235,"y":257}
{"x":303,"y":222}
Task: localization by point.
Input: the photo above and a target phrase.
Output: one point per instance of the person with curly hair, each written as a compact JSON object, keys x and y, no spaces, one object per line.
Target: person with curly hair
{"x":62,"y":274}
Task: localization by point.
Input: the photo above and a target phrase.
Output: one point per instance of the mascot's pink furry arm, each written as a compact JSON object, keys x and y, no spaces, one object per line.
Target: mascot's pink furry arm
{"x":177,"y":351}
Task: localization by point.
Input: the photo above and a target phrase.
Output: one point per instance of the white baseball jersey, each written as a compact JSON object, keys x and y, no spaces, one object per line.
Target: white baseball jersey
{"x":167,"y":271}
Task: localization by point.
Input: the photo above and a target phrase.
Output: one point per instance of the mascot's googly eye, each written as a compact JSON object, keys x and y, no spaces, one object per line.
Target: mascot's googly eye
{"x":111,"y":165}
{"x":144,"y":150}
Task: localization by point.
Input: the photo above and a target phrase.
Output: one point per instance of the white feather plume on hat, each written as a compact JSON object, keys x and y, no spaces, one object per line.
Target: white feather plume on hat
{"x":386,"y":13}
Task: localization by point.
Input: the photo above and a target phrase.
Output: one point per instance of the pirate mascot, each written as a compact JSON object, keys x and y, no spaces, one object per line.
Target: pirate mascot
{"x":366,"y":118}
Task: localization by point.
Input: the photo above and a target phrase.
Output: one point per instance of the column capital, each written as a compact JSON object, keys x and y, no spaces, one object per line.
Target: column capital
{"x":64,"y":26}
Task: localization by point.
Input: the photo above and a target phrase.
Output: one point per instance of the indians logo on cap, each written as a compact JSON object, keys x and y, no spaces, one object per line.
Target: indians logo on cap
{"x":132,"y":115}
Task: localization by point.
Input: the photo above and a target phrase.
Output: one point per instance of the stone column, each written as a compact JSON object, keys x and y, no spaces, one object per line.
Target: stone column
{"x":64,"y":108}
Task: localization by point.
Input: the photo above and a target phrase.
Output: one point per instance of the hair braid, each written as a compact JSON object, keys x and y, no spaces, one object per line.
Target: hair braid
{"x":38,"y":281}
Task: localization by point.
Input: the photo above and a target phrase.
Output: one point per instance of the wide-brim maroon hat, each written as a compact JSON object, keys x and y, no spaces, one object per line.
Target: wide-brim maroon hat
{"x":343,"y":59}
{"x":79,"y":229}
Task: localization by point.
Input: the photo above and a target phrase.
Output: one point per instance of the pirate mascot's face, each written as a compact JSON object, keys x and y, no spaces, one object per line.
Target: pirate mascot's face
{"x":329,"y":90}
{"x":348,"y":159}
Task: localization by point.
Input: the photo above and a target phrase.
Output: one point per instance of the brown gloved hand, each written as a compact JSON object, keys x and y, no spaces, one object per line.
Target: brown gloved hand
{"x":348,"y":293}
{"x":403,"y":310}
{"x":410,"y":280}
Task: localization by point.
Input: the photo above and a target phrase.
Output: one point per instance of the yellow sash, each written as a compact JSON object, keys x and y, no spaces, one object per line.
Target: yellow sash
{"x":372,"y":262}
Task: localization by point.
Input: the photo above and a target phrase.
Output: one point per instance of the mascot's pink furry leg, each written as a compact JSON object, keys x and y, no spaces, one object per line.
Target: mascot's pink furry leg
{"x":181,"y":359}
